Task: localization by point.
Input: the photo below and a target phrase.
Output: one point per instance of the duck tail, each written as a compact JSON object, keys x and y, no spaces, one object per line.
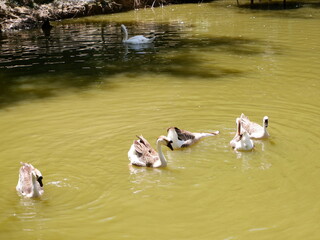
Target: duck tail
{"x":215,"y":133}
{"x":209,"y":134}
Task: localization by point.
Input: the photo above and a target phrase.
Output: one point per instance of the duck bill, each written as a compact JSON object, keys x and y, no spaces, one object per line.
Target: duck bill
{"x":40,"y":181}
{"x":170,"y":146}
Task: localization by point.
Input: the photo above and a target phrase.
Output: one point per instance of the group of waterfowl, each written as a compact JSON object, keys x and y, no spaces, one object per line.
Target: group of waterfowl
{"x":142,"y":154}
{"x":246,"y":131}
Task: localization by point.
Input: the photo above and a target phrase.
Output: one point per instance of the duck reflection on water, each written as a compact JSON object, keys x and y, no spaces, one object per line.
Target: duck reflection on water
{"x":138,"y":48}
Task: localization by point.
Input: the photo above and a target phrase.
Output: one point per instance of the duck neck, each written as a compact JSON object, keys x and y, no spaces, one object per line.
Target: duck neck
{"x":238,"y":127}
{"x":247,"y":142}
{"x":173,"y":135}
{"x":125,"y":33}
{"x":35,"y":186}
{"x":265,"y":129}
{"x":265,"y":132}
{"x":161,"y":156}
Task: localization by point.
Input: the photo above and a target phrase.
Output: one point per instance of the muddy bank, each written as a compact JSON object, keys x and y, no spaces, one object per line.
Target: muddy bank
{"x":26,"y":14}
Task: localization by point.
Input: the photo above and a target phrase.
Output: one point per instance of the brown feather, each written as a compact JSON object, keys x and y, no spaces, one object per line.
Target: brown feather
{"x":145,"y":151}
{"x":184,"y":135}
{"x":25,"y":174}
{"x":247,"y":125}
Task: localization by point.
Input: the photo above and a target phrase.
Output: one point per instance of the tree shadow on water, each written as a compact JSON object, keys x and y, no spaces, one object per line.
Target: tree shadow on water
{"x":272,"y":5}
{"x":280,"y":10}
{"x":36,"y":67}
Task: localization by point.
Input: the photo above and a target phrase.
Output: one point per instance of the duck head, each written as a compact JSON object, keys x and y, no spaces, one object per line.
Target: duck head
{"x":165,"y":141}
{"x":38,"y":176}
{"x":265,"y":121}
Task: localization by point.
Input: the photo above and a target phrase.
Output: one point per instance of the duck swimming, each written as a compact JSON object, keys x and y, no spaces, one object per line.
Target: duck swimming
{"x":139,"y":39}
{"x":182,"y":138}
{"x":254,"y":130}
{"x":241,"y":141}
{"x":143,"y":155}
{"x":30,"y":181}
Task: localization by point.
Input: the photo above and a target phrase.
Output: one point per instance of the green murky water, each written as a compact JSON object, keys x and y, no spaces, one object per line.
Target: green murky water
{"x":72,"y":103}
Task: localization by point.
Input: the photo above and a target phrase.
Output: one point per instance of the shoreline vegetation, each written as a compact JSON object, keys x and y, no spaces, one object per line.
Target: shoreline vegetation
{"x":28,"y":14}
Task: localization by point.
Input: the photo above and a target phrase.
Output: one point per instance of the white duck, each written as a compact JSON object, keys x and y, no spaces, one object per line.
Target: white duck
{"x":255,"y":130}
{"x":241,"y":141}
{"x":143,"y":155}
{"x":182,"y":138}
{"x":139,"y":39}
{"x":30,"y":181}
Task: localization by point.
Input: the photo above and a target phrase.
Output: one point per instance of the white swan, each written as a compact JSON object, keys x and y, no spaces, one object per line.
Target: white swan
{"x":182,"y":138}
{"x":143,"y":155}
{"x":255,"y":130}
{"x":139,"y":39}
{"x":30,"y":181}
{"x":241,"y":141}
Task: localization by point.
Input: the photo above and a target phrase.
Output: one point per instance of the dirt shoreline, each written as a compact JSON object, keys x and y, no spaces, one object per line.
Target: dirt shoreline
{"x":15,"y":17}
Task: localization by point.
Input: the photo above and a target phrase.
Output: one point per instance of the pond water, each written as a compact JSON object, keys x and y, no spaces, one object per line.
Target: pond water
{"x":73,"y":102}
